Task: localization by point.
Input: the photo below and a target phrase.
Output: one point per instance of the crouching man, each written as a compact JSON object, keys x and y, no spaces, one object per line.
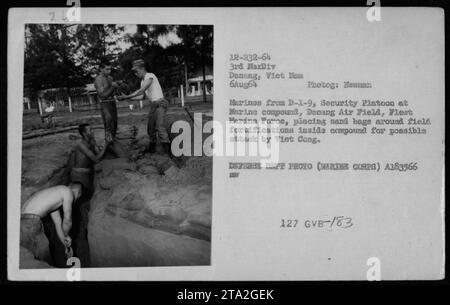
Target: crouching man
{"x":48,"y":201}
{"x":86,"y":154}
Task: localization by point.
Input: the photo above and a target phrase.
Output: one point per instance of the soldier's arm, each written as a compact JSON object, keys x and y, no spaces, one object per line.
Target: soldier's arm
{"x":67,"y":212}
{"x":97,"y":149}
{"x":145,"y":85}
{"x":56,"y":217}
{"x":90,"y":154}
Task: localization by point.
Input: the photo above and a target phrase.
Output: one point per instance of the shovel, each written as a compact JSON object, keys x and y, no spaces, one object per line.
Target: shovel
{"x":69,"y":252}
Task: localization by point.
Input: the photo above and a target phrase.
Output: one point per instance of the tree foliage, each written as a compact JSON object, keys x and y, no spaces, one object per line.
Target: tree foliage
{"x":64,"y":56}
{"x":48,"y":58}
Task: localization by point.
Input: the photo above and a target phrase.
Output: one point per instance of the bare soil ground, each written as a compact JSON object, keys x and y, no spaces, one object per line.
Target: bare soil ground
{"x":32,"y":121}
{"x":44,"y":155}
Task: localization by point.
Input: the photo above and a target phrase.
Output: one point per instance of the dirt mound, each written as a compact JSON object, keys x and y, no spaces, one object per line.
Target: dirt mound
{"x":167,"y":207}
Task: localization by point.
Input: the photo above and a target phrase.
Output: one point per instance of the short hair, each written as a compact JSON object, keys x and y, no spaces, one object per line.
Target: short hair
{"x":76,"y":184}
{"x":138,"y":64}
{"x":82,"y":128}
{"x":104,"y":63}
{"x":141,"y":66}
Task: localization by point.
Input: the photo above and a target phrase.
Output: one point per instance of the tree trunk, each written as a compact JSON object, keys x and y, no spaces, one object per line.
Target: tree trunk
{"x":38,"y":107}
{"x":186,"y":78}
{"x":204,"y":79}
{"x":66,"y":76}
{"x":104,"y":42}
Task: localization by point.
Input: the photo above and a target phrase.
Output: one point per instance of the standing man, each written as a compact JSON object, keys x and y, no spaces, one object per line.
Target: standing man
{"x":105,"y":87}
{"x":48,"y":201}
{"x":150,"y":86}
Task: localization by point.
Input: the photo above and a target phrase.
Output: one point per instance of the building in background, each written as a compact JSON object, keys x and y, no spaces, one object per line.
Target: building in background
{"x":196,"y":80}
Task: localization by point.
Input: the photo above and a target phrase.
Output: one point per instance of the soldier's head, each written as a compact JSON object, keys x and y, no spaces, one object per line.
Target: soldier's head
{"x":139,"y":68}
{"x":85,"y":131}
{"x":77,"y":189}
{"x":105,"y":67}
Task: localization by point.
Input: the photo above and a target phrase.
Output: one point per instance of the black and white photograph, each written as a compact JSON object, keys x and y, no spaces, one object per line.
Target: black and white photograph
{"x":226,"y":144}
{"x":100,"y":181}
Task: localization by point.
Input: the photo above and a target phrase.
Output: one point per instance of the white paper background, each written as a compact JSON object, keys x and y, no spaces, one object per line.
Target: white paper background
{"x":398,"y":216}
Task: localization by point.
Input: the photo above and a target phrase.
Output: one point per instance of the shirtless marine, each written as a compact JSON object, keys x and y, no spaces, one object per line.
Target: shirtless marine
{"x":48,"y":201}
{"x":86,"y":153}
{"x":105,"y":87}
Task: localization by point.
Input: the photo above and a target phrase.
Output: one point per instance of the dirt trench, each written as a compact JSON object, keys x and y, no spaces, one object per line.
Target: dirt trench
{"x":48,"y":161}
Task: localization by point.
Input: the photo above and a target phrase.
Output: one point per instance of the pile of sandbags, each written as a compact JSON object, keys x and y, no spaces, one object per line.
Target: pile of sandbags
{"x":155,"y":194}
